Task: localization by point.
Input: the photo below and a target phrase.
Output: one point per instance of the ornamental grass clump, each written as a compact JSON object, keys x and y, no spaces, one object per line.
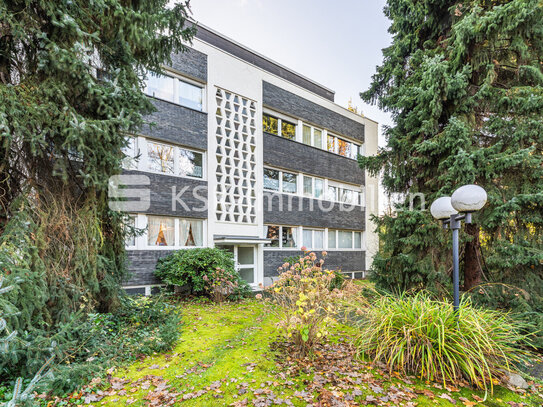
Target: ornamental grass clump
{"x":422,"y":336}
{"x":303,"y":301}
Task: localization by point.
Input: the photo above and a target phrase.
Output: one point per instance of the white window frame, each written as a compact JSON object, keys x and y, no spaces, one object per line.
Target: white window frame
{"x":280,"y":191}
{"x":176,"y":75}
{"x":142,"y":161}
{"x":280,"y":117}
{"x":312,"y":229}
{"x":352,"y":248}
{"x":296,"y":234}
{"x":142,"y":240}
{"x":134,"y":246}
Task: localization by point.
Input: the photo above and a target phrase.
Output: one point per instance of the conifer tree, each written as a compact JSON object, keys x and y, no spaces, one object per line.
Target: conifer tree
{"x":464,"y":84}
{"x":71,"y":76}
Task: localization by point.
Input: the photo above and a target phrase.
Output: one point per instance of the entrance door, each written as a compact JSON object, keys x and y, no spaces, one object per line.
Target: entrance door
{"x":244,"y":260}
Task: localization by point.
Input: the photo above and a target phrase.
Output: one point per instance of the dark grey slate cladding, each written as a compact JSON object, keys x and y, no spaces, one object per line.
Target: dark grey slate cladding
{"x":161,"y":195}
{"x":191,"y":63}
{"x":346,"y":261}
{"x":141,"y":265}
{"x":291,"y":104}
{"x":177,"y":124}
{"x":261,"y":62}
{"x":304,"y":215}
{"x":291,"y":155}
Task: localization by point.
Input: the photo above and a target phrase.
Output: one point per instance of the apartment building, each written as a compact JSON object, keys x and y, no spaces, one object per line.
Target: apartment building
{"x":246,"y":154}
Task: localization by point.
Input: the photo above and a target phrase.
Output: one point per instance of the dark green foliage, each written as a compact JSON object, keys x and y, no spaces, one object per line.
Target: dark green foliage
{"x":70,"y":89}
{"x":187,"y":268}
{"x":464,"y":84}
{"x":94,"y":342}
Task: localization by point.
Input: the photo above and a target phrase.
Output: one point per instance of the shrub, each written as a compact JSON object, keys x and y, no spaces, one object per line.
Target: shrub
{"x":140,"y":326}
{"x":221,"y":284}
{"x":196,"y":268}
{"x":337,"y":281}
{"x":303,"y":301}
{"x":422,"y":336}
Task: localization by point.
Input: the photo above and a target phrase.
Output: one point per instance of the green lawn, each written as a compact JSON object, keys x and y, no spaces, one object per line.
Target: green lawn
{"x":224,"y":357}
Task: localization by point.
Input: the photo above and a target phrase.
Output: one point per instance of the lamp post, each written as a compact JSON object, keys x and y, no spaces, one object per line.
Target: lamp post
{"x":451,"y":211}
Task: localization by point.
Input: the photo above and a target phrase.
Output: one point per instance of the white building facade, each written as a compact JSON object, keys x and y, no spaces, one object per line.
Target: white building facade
{"x":246,"y":154}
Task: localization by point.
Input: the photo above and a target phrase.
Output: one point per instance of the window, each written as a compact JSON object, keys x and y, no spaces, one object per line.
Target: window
{"x":319,"y":188}
{"x":272,"y":124}
{"x":342,"y":147}
{"x":190,"y":95}
{"x":191,"y":232}
{"x":332,"y":193}
{"x":346,"y":195}
{"x":344,"y":239}
{"x":288,"y":130}
{"x":308,"y":186}
{"x":131,"y":226}
{"x":165,"y":232}
{"x":317,"y":138}
{"x":313,"y":187}
{"x":175,"y":90}
{"x":276,"y":180}
{"x":313,"y":239}
{"x":130,"y":161}
{"x":271,"y":179}
{"x":312,"y":136}
{"x":273,"y":233}
{"x":190,"y":163}
{"x":160,"y":231}
{"x":288,"y":237}
{"x":160,"y":157}
{"x":289,"y":183}
{"x":281,"y":236}
{"x":306,"y":137}
{"x":169,"y":159}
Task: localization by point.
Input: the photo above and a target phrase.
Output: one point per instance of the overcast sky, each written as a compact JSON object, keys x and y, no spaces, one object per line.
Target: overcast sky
{"x":336,"y":43}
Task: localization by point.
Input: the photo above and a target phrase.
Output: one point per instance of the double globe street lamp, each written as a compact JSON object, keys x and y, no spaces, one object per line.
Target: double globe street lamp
{"x":451,"y":210}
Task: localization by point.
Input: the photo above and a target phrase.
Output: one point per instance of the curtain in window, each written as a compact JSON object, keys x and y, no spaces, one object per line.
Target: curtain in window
{"x":161,"y":231}
{"x":197,"y":227}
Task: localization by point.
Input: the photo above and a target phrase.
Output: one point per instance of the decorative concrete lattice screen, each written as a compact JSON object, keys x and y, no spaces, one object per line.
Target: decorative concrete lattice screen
{"x":236,"y":161}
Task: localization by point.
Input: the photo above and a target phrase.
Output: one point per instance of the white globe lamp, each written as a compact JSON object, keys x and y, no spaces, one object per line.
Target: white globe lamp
{"x":442,"y":208}
{"x":469,"y":198}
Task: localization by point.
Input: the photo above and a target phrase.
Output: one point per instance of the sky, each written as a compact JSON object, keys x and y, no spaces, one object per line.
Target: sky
{"x":335,"y":43}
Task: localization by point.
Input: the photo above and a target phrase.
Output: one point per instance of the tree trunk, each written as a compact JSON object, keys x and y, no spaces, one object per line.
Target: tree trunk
{"x":472,"y":265}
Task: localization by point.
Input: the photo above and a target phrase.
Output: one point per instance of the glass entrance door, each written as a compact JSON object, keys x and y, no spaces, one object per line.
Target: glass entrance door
{"x":244,"y":260}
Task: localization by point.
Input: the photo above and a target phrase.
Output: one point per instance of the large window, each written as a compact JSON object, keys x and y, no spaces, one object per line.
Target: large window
{"x":273,"y":125}
{"x":283,"y":181}
{"x":342,"y":147}
{"x":163,"y":158}
{"x":281,"y":236}
{"x":160,"y":231}
{"x":174,"y":232}
{"x":271,"y":179}
{"x":175,"y":90}
{"x":313,"y":239}
{"x":344,"y":195}
{"x":312,"y":136}
{"x":344,"y":239}
{"x":313,"y":187}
